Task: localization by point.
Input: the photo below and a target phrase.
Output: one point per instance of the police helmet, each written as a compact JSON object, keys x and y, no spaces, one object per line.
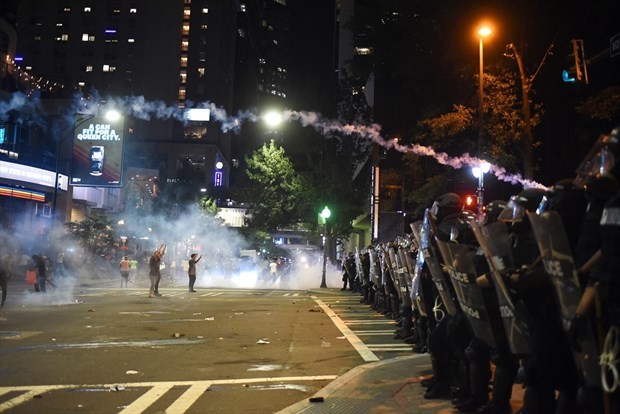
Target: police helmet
{"x":446,"y":204}
{"x":527,"y":200}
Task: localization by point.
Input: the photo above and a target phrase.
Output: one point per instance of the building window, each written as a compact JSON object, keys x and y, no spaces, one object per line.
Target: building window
{"x":64,"y":37}
{"x":203,"y":26}
{"x":87,"y":9}
{"x":67,"y":9}
{"x":131,"y":40}
{"x":282,"y":2}
{"x":185,"y":29}
{"x":181,"y":94}
{"x":58,"y":24}
{"x":133,"y":10}
{"x":187,"y":13}
{"x":87,"y":37}
{"x":242,"y":7}
{"x":183,"y":77}
{"x":205,"y":10}
{"x":37,"y":38}
{"x":183,"y":61}
{"x":106,"y":68}
{"x":201,"y":72}
{"x":89,"y":69}
{"x":82,"y":84}
{"x":184,"y":45}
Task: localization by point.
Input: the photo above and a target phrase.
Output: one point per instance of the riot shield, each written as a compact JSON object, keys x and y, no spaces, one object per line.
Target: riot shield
{"x":359,"y":270}
{"x":558,"y":261}
{"x":375,"y":273}
{"x":393,"y":269}
{"x":495,"y":243}
{"x":459,"y":259}
{"x":403,"y":277}
{"x":431,"y":260}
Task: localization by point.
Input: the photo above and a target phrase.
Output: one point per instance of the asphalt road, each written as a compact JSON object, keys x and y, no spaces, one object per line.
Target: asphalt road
{"x":96,"y":348}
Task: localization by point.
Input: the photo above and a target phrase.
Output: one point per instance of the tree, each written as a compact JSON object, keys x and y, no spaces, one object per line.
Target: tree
{"x":93,"y":233}
{"x":277,"y":193}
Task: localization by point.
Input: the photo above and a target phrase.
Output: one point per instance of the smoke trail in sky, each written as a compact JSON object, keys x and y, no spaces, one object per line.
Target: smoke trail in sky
{"x":140,"y":108}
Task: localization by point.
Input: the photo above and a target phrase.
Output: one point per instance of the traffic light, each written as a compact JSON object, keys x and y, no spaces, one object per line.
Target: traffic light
{"x":470,"y":202}
{"x":578,"y":72}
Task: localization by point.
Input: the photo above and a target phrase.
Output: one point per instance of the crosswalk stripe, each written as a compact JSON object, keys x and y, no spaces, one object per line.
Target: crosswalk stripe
{"x":188,"y":398}
{"x":146,"y":400}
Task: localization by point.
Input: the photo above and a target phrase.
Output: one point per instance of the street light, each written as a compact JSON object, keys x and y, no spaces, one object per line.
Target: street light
{"x":483,"y":32}
{"x":325,"y":214}
{"x":479,"y":171}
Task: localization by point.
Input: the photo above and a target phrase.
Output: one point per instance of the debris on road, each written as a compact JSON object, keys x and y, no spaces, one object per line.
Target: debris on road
{"x":263,"y":341}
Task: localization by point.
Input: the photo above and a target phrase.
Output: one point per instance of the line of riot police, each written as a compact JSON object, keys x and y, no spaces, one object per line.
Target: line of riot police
{"x":527,"y":293}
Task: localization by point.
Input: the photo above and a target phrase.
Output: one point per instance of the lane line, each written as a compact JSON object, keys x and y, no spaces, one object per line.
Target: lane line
{"x":29,"y":393}
{"x":366,"y":354}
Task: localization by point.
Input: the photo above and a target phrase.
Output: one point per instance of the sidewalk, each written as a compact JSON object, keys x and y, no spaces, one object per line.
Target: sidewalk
{"x":390,"y":386}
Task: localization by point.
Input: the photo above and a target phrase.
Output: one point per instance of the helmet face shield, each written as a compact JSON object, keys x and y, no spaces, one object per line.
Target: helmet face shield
{"x":599,"y":161}
{"x":513,"y":212}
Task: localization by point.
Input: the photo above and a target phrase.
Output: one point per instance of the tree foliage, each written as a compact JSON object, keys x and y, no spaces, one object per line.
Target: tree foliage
{"x":277,"y":193}
{"x":93,"y":233}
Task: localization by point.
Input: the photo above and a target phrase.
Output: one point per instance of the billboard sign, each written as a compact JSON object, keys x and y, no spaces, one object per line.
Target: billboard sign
{"x":97,"y":152}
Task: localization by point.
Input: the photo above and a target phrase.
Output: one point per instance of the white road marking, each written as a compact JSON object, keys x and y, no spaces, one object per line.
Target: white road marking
{"x":188,"y":398}
{"x":156,"y":390}
{"x":366,"y":354}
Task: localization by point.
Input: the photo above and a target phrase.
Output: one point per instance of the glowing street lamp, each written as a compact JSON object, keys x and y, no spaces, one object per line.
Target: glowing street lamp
{"x":325,"y":214}
{"x":273,"y":119}
{"x":479,"y":171}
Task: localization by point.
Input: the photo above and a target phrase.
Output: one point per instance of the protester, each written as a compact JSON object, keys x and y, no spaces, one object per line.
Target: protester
{"x":154,"y":270}
{"x":125,"y":267}
{"x":191,"y":271}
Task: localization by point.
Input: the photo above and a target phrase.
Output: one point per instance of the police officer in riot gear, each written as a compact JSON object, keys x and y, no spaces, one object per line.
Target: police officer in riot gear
{"x":550,"y":365}
{"x":449,"y":338}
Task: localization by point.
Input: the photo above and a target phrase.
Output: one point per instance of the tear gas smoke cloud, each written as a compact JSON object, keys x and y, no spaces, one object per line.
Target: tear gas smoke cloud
{"x":188,"y":232}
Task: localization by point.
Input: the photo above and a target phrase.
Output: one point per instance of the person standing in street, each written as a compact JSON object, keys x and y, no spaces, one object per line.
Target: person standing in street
{"x":41,"y":271}
{"x":125,"y":267}
{"x":191,"y":271}
{"x":154,"y":270}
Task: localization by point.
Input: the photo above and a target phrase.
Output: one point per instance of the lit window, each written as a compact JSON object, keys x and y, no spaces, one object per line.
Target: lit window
{"x":131,"y":40}
{"x":28,"y":67}
{"x":275,"y":42}
{"x":106,"y":68}
{"x":205,"y":10}
{"x":185,"y":28}
{"x":263,"y":23}
{"x":67,"y":9}
{"x":37,"y":38}
{"x":241,"y":32}
{"x":64,"y":37}
{"x":183,"y":61}
{"x":183,"y":77}
{"x":201,"y":72}
{"x":58,"y":24}
{"x":242,"y":6}
{"x":84,"y":37}
{"x":181,"y":93}
{"x":89,"y":68}
{"x":82,"y":83}
{"x":133,"y":10}
{"x":203,"y":26}
{"x":363,"y":51}
{"x":87,"y":9}
{"x":110,"y":31}
{"x":187,"y":13}
{"x":117,"y":11}
{"x":261,"y":61}
{"x":184,"y":45}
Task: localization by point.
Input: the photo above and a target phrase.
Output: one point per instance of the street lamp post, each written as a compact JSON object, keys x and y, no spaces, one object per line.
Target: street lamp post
{"x":325,"y":214}
{"x":479,"y":171}
{"x":483,"y":32}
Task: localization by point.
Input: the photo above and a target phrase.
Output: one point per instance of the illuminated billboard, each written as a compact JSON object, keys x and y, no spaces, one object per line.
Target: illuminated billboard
{"x":97,"y":152}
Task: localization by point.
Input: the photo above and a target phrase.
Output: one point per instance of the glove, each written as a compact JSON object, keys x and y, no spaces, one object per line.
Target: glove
{"x":576,"y":331}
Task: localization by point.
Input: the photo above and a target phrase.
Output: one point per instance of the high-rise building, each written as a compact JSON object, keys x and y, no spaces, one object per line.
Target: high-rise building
{"x":163,"y":56}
